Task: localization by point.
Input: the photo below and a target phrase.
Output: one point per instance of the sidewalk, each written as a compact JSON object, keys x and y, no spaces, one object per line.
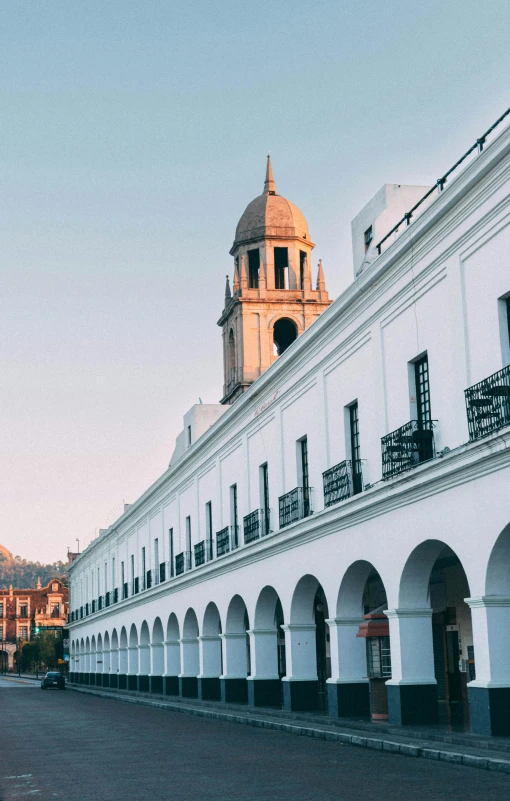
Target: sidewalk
{"x":427,"y":742}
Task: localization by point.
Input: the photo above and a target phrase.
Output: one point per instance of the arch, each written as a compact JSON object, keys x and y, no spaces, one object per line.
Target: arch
{"x":123,"y":638}
{"x":211,"y":625}
{"x":497,"y":577}
{"x":172,"y":628}
{"x":114,"y":652}
{"x":352,"y":588}
{"x":133,"y":636}
{"x":145,"y":637}
{"x":237,"y":616}
{"x":265,"y":608}
{"x":157,"y":631}
{"x":231,"y":355}
{"x":157,"y":654}
{"x":415,"y":578}
{"x":133,"y":653}
{"x":106,"y":653}
{"x":285,"y":332}
{"x":144,"y":654}
{"x":172,"y":654}
{"x":99,"y":654}
{"x":190,"y":625}
{"x":123,"y":654}
{"x":302,"y":604}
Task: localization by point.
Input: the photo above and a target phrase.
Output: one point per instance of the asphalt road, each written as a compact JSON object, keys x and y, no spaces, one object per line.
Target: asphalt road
{"x":72,"y":746}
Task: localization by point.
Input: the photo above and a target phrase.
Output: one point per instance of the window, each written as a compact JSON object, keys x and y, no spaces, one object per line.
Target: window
{"x":23,"y":610}
{"x":209,"y":530}
{"x":305,"y":481}
{"x":123,"y":579}
{"x":355,"y":448}
{"x":1,"y":632}
{"x":264,"y":496}
{"x":504,"y":328}
{"x":367,"y":238}
{"x":143,"y":568}
{"x":106,"y":577}
{"x":171,"y":550}
{"x":233,"y":513}
{"x":132,"y":574}
{"x":23,"y":632}
{"x":156,"y":553}
{"x":98,"y":582}
{"x":1,"y":610}
{"x":188,"y":543}
{"x":302,"y":267}
{"x":114,"y":577}
{"x":421,"y":377}
{"x":188,"y":436}
{"x":253,"y":268}
{"x":55,"y":610}
{"x":281,"y":263}
{"x":231,"y":357}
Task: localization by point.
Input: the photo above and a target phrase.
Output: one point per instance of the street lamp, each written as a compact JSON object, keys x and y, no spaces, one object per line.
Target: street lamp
{"x":78,"y":541}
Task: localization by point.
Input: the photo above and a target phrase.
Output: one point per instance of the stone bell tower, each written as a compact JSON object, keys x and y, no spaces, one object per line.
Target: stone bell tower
{"x":272,"y":300}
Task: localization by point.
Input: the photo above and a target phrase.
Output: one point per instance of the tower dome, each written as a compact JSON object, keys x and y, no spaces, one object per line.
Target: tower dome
{"x":270,"y":216}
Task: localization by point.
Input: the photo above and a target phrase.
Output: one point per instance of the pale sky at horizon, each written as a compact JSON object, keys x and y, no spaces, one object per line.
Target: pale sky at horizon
{"x":133,"y":137}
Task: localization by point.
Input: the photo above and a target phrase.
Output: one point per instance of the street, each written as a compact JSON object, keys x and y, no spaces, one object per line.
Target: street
{"x":72,"y":746}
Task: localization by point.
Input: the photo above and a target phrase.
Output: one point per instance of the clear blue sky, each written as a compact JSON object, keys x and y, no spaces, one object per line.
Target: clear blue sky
{"x":133,"y":135}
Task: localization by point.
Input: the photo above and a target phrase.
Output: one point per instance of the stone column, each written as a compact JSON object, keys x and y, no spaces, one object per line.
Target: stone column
{"x":123,"y":667}
{"x":157,"y":667}
{"x":348,"y":687}
{"x":190,"y":667}
{"x":210,"y":667}
{"x":412,"y":689}
{"x":233,"y":681}
{"x":489,"y":693}
{"x":144,"y":667}
{"x":264,"y":686}
{"x":172,"y":667}
{"x":132,"y":680}
{"x":300,"y":685}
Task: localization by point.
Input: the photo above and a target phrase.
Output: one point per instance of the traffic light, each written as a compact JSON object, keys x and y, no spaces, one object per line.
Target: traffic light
{"x":37,"y":629}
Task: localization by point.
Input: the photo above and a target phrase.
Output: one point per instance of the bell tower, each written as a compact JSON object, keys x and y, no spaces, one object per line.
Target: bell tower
{"x":272,"y":300}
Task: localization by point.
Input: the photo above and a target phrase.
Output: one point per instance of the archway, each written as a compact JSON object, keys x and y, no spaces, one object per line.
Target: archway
{"x":132,"y":679}
{"x":83,"y":663}
{"x":157,"y":654}
{"x":267,"y":640}
{"x":99,"y":660}
{"x":284,"y":333}
{"x":190,"y":660}
{"x":106,"y":660}
{"x":432,"y":652}
{"x":211,"y":666}
{"x":172,"y":656}
{"x":114,"y":660}
{"x":236,"y":653}
{"x":144,"y":658}
{"x":231,"y":357}
{"x":307,"y":648}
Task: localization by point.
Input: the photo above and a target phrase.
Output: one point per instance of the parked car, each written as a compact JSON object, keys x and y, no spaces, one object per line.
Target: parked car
{"x":53,"y":679}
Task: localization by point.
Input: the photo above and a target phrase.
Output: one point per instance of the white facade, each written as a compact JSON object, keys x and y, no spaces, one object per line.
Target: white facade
{"x":439,"y":290}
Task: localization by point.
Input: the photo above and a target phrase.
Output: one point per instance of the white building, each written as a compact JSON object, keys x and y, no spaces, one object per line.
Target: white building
{"x":352,"y":475}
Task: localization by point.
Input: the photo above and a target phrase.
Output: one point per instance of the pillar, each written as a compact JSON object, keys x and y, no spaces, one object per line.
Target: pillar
{"x":233,"y":681}
{"x":144,"y":667}
{"x":210,"y":667}
{"x":489,"y":693}
{"x":300,"y":685}
{"x":412,"y":689}
{"x":157,"y":667}
{"x":348,"y":687}
{"x":172,"y":667}
{"x":264,"y":686}
{"x":190,"y":666}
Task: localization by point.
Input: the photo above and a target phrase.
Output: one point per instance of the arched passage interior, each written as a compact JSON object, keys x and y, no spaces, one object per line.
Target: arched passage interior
{"x":190,"y":658}
{"x":267,"y":649}
{"x":211,"y":661}
{"x":236,"y":653}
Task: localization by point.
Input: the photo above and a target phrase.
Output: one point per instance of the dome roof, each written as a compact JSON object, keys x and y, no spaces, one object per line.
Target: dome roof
{"x":271,"y":215}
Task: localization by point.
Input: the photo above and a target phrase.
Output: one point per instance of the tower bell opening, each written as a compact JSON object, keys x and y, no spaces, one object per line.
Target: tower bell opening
{"x":284,"y":334}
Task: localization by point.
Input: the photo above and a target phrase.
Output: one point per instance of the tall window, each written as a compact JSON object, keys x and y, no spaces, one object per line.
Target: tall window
{"x":305,"y":481}
{"x":188,"y":437}
{"x":233,"y":513}
{"x":421,"y":374}
{"x":281,"y":263}
{"x":106,"y":577}
{"x":1,"y":610}
{"x":302,"y":265}
{"x":23,"y":610}
{"x":123,"y":579}
{"x":156,"y":554}
{"x":367,"y":238}
{"x":132,"y":574}
{"x":188,"y":543}
{"x":114,"y":577}
{"x":264,"y":496}
{"x":253,"y":268}
{"x":355,"y":448}
{"x":209,"y":530}
{"x":143,"y":568}
{"x":231,"y":357}
{"x":98,"y":582}
{"x":171,"y":550}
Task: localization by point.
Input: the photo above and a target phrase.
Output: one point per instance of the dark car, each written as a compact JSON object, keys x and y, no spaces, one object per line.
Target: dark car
{"x":53,"y":679}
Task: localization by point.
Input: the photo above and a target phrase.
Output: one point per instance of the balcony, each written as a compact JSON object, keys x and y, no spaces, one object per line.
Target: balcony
{"x":93,"y":606}
{"x":125,"y":592}
{"x":488,"y":405}
{"x":115,"y":595}
{"x":107,"y":598}
{"x":148,"y":579}
{"x":86,"y":609}
{"x":99,"y":603}
{"x":227,"y":540}
{"x":136,"y":586}
{"x":256,"y":525}
{"x":81,"y":612}
{"x":199,"y":549}
{"x":162,"y":571}
{"x":407,"y":447}
{"x":295,"y":505}
{"x":179,"y":564}
{"x":209,"y":549}
{"x":342,"y":481}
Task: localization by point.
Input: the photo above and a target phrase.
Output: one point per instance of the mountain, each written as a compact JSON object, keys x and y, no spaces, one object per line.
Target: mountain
{"x":23,"y":574}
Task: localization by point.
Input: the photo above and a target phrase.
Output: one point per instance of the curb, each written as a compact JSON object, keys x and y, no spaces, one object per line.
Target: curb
{"x":406,"y":749}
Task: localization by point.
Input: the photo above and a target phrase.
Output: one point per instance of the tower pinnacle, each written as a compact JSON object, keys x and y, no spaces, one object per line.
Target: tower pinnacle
{"x":269,"y":186}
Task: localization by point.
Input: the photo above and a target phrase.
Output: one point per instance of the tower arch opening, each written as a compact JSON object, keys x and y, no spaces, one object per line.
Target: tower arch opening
{"x":284,"y":334}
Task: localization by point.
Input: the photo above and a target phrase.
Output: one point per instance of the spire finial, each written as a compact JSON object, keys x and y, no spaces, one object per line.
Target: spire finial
{"x":269,"y":187}
{"x":321,"y":284}
{"x":228,"y":294}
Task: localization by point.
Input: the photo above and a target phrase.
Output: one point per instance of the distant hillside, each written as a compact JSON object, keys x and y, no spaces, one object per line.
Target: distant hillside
{"x":23,"y":574}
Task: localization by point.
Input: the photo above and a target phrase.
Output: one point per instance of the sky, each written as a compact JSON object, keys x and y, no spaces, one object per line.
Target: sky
{"x":133,"y":135}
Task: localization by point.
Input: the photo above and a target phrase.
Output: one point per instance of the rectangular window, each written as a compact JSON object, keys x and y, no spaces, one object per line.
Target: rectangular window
{"x":281,"y":263}
{"x":188,"y":543}
{"x":253,"y":268}
{"x":209,"y":530}
{"x":367,"y":237}
{"x":264,"y":497}
{"x":24,"y":632}
{"x":114,"y":577}
{"x":188,"y":436}
{"x":98,"y":582}
{"x":171,"y":551}
{"x":305,"y":481}
{"x":143,"y":568}
{"x":355,"y":448}
{"x":122,"y":574}
{"x":106,"y":577}
{"x":23,"y":610}
{"x":132,"y":574}
{"x":156,"y":553}
{"x":1,"y":633}
{"x":302,"y":265}
{"x":1,"y":610}
{"x":233,"y":514}
{"x":421,"y":377}
{"x":504,"y":329}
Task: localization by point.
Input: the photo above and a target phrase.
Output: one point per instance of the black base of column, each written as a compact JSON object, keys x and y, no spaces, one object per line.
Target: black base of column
{"x":156,"y":684}
{"x":143,"y":684}
{"x":349,"y":700}
{"x":132,"y":682}
{"x":92,"y":678}
{"x":209,"y":689}
{"x":114,"y":681}
{"x":122,"y":681}
{"x":489,"y":709}
{"x":188,"y":686}
{"x":171,"y":685}
{"x":264,"y":692}
{"x":301,"y":696}
{"x":71,"y":678}
{"x":106,"y":679}
{"x":234,"y":691}
{"x":412,"y":703}
{"x":99,"y":679}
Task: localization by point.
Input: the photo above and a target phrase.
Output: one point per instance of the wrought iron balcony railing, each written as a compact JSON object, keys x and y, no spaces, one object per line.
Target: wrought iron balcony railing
{"x":81,"y":612}
{"x":295,"y":505}
{"x":227,"y":540}
{"x":136,"y":586}
{"x":407,"y":447}
{"x":86,"y":610}
{"x":93,"y":606}
{"x":199,"y":549}
{"x":115,"y":595}
{"x":488,"y":404}
{"x":99,"y":603}
{"x":179,"y":564}
{"x":209,"y":549}
{"x":256,"y":525}
{"x":162,"y":571}
{"x":107,"y":598}
{"x":342,"y":481}
{"x":148,"y":579}
{"x":125,"y":592}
